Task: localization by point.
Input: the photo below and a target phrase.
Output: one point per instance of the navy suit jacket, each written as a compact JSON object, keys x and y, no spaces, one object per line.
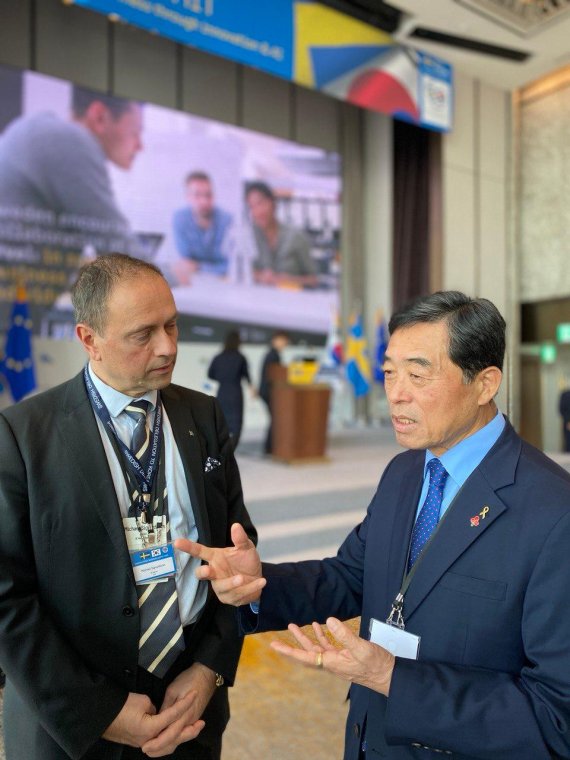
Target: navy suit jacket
{"x":490,"y":602}
{"x":69,"y":623}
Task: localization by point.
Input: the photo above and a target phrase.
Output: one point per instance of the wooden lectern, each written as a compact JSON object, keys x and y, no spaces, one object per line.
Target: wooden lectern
{"x":300,"y":416}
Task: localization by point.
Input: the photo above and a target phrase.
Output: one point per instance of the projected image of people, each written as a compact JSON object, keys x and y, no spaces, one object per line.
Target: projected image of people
{"x":283,"y":252}
{"x":201,"y":231}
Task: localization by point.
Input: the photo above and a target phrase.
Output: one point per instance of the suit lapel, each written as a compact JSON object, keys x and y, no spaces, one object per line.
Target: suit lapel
{"x":455,"y":534}
{"x":79,"y":431}
{"x":400,"y":531}
{"x":192,"y":451}
{"x":460,"y":527}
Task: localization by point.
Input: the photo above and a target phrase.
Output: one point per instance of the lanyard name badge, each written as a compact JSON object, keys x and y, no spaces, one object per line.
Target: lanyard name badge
{"x":152,"y":555}
{"x":392,"y":635}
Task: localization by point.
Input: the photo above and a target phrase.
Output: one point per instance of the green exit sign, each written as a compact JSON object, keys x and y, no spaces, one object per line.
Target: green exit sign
{"x":547,"y":353}
{"x":563,"y":332}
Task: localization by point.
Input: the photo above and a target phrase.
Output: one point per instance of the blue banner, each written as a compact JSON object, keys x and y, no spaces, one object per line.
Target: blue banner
{"x":304,"y":42}
{"x":254,"y":33}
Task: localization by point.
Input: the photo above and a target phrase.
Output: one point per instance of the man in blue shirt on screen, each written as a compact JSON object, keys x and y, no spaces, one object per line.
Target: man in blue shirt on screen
{"x":200,"y":231}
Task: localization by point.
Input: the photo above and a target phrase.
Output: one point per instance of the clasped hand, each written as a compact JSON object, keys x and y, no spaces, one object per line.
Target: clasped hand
{"x":178,"y":721}
{"x":234,"y":571}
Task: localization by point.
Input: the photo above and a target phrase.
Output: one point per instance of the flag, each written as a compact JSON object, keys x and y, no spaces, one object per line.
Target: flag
{"x":380,"y":348}
{"x":18,"y":361}
{"x":357,"y":361}
{"x":333,"y":348}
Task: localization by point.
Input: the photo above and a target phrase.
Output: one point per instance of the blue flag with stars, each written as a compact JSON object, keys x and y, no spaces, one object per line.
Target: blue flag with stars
{"x":18,"y":361}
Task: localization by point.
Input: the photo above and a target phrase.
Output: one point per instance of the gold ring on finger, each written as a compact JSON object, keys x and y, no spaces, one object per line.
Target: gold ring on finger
{"x":319,"y":660}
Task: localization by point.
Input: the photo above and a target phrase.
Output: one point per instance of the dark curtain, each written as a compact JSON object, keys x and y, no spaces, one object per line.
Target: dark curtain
{"x":10,"y":95}
{"x":414,"y":172}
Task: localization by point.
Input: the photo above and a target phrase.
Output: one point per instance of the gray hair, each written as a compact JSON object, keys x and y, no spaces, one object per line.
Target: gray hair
{"x":95,"y":282}
{"x":475,"y":326}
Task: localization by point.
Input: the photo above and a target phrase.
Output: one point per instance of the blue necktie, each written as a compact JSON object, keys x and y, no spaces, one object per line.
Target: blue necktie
{"x":429,"y":514}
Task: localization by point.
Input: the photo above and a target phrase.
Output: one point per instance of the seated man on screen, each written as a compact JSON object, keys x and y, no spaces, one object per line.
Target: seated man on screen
{"x":201,"y":231}
{"x":61,"y":166}
{"x":283,"y":253}
{"x":459,"y":570}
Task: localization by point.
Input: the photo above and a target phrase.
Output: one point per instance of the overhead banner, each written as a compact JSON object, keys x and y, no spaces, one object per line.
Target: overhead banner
{"x":307,"y":43}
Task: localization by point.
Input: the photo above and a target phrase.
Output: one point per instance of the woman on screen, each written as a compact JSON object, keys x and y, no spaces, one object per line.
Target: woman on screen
{"x":283,"y":252}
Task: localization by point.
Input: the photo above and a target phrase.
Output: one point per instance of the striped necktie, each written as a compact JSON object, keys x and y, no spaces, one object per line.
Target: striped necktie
{"x":161,"y":634}
{"x":140,"y":439}
{"x":429,"y":514}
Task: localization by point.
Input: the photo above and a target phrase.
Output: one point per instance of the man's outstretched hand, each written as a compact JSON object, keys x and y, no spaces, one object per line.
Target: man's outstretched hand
{"x":234,"y":571}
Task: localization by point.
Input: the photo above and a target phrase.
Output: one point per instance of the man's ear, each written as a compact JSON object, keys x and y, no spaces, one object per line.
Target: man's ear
{"x":89,"y":340}
{"x":490,"y":382}
{"x":97,"y":117}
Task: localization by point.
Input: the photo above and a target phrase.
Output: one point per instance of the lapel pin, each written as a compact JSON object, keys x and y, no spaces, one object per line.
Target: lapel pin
{"x":191,"y":432}
{"x":476,"y":519}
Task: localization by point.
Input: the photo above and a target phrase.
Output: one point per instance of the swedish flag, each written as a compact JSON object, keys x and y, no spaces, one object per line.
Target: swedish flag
{"x":18,"y":360}
{"x":357,"y":361}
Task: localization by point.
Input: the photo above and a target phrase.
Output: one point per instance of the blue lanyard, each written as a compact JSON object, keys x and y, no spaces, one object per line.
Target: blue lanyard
{"x":144,"y":479}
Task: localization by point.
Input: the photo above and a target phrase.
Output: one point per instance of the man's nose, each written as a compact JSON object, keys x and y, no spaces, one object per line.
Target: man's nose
{"x":166,"y":344}
{"x":397,"y":390}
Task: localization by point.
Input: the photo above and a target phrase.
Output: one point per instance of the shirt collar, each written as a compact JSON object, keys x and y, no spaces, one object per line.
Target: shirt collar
{"x":114,"y":400}
{"x":465,"y":456}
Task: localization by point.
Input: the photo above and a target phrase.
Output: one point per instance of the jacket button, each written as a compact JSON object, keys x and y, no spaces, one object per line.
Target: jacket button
{"x":356,"y":730}
{"x":128,"y":611}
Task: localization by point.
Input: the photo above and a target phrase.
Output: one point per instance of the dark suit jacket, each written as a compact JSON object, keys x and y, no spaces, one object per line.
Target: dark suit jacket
{"x":490,"y":602}
{"x":69,"y":624}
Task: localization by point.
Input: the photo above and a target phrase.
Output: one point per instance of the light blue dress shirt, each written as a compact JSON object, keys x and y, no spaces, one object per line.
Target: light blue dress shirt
{"x":461,"y":460}
{"x":191,"y":592}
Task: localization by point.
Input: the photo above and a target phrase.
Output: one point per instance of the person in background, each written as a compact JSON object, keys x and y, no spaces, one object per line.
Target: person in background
{"x":49,"y":163}
{"x":564,"y":409}
{"x":229,"y":368}
{"x":279,"y":341}
{"x":283,"y":252}
{"x":201,"y":231}
{"x":97,"y":476}
{"x":459,"y":571}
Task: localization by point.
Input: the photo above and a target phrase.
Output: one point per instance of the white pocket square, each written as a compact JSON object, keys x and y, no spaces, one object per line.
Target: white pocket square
{"x":211,"y":464}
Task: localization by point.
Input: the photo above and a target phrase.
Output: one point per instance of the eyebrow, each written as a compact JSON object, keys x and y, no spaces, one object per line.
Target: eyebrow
{"x":412,"y":360}
{"x":143,"y":328}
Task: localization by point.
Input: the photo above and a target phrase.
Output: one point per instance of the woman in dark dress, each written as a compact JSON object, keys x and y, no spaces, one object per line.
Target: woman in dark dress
{"x":229,"y":368}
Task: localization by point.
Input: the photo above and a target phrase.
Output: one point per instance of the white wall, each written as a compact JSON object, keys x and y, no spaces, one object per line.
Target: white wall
{"x":477,"y":185}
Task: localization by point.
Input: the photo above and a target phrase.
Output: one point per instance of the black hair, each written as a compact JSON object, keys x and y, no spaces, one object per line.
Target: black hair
{"x":475,"y":326}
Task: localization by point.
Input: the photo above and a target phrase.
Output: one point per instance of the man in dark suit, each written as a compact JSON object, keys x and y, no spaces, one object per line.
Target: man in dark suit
{"x":98,"y":666}
{"x":279,"y":341}
{"x":464,"y":550}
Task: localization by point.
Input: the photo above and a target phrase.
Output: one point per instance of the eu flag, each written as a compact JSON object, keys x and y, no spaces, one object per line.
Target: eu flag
{"x":18,"y":360}
{"x":357,"y":361}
